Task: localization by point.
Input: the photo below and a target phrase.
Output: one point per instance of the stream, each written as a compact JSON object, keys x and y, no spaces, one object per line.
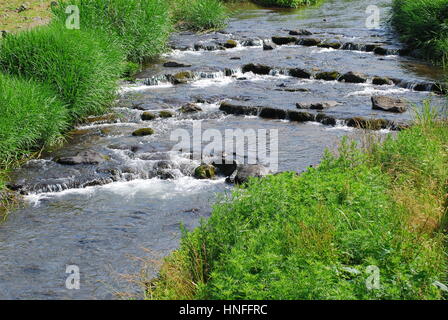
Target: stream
{"x":103,"y":217}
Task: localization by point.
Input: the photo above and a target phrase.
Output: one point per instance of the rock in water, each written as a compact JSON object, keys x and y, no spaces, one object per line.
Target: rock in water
{"x":284,"y":40}
{"x":300,"y":32}
{"x":174,"y":64}
{"x":328,"y":76}
{"x":299,"y":73}
{"x":166,"y":114}
{"x":143,"y":132}
{"x":269,"y":45}
{"x":205,"y":171}
{"x":147,"y":116}
{"x":244,"y":172}
{"x":389,"y":104}
{"x":317,"y":105}
{"x":225,"y":165}
{"x":190,"y":108}
{"x":229,"y":44}
{"x":309,"y":42}
{"x":353,"y":77}
{"x":257,"y":69}
{"x":230,"y":108}
{"x":382,"y":81}
{"x":83,"y":157}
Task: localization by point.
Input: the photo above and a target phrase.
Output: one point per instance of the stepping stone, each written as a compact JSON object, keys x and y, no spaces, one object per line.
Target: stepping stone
{"x":389,"y":104}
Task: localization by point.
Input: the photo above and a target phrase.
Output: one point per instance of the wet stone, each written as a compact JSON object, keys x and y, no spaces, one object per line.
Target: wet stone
{"x":143,"y":132}
{"x":83,"y":157}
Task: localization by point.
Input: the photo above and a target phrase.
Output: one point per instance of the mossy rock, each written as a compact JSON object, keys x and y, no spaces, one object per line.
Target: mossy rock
{"x":205,"y":171}
{"x":182,"y":77}
{"x":166,"y":114}
{"x":231,"y":44}
{"x":328,"y":76}
{"x":143,"y":132}
{"x":147,"y":116}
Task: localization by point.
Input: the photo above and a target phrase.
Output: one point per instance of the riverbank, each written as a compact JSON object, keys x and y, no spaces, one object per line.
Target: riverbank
{"x":322,"y":235}
{"x":422,"y":25}
{"x":70,"y":74}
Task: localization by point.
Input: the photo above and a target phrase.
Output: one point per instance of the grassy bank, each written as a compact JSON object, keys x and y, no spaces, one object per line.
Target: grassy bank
{"x":317,"y":235}
{"x":423,"y":26}
{"x":53,"y":77}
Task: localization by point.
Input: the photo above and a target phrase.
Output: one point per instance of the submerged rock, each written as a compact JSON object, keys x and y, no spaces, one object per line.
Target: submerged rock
{"x":389,"y":104}
{"x":328,"y":76}
{"x":279,"y":40}
{"x":143,"y":132}
{"x":257,"y":69}
{"x":353,"y":77}
{"x":205,"y":171}
{"x":83,"y":157}
{"x":317,"y":105}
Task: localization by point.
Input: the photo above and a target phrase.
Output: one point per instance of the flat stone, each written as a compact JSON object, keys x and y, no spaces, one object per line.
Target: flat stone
{"x":389,"y":104}
{"x":174,"y":64}
{"x":353,"y":77}
{"x":83,"y":157}
{"x":230,"y":108}
{"x":328,"y":76}
{"x":299,"y":73}
{"x":317,"y":105}
{"x":278,"y":40}
{"x":257,"y":69}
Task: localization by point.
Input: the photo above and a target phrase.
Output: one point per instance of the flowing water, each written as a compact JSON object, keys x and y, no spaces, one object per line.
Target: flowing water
{"x":99,"y":217}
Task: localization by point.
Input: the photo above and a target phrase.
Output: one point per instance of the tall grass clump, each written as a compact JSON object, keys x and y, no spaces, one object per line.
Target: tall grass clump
{"x":199,"y":15}
{"x":286,"y":3}
{"x":319,"y":235}
{"x":423,"y":24}
{"x":140,"y":27}
{"x":83,"y":69}
{"x":30,"y":117}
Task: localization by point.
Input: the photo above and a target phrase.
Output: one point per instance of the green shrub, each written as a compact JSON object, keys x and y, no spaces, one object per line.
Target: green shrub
{"x":140,"y":27}
{"x":82,"y":68}
{"x":30,"y":117}
{"x":314,"y":236}
{"x":423,"y":24}
{"x":199,"y":14}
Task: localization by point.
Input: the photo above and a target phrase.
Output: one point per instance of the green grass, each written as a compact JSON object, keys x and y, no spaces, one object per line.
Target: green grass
{"x":314,"y":236}
{"x":82,"y":69}
{"x":140,"y":27}
{"x":423,"y":24}
{"x":30,"y":117}
{"x":199,"y":15}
